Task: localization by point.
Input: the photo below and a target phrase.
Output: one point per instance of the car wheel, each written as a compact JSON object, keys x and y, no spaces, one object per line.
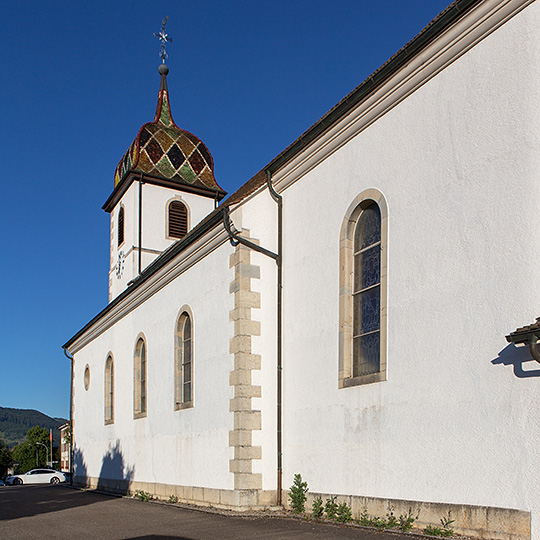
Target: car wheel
{"x":55,"y":480}
{"x":17,"y":482}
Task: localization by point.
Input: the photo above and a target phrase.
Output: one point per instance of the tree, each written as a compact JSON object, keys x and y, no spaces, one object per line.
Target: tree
{"x":5,"y":458}
{"x":30,"y":454}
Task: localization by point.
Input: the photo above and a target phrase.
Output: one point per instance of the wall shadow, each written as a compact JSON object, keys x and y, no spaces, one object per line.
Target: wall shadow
{"x":79,"y":464}
{"x":517,"y":357}
{"x":115,"y":475}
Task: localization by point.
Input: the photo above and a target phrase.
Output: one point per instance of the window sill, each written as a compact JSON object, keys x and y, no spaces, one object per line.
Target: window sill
{"x":139,"y":415}
{"x":109,"y":422}
{"x":363,"y":379}
{"x":181,"y":406}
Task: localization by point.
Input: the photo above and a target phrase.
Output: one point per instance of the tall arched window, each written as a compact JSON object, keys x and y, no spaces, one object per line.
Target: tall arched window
{"x":183,"y":370}
{"x":121,"y":226}
{"x":367,"y":292}
{"x":109,"y":390}
{"x":362,"y":301}
{"x":139,"y":379}
{"x":177,"y":219}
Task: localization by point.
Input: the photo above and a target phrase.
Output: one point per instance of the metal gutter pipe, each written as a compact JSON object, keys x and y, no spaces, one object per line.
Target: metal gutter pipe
{"x":140,"y":221}
{"x":279,"y":200}
{"x":70,"y":421}
{"x":235,"y":239}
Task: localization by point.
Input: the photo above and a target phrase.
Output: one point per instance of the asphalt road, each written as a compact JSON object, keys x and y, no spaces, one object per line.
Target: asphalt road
{"x":61,"y":513}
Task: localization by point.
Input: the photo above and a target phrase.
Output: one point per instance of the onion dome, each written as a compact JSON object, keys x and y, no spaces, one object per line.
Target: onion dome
{"x":161,"y":149}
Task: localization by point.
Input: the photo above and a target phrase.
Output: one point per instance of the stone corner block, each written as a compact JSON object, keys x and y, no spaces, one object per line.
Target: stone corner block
{"x":247,"y":481}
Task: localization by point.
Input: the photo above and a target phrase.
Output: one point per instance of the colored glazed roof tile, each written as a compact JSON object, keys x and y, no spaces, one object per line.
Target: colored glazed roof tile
{"x":162,"y":149}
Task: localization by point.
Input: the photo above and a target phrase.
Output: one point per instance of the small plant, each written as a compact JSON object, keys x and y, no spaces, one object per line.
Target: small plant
{"x":406,"y":521}
{"x":444,"y":530}
{"x":330,"y":508}
{"x":391,"y":520}
{"x":367,"y":521}
{"x":298,"y":495}
{"x":143,"y":496}
{"x":173,"y":499}
{"x":364,"y":519}
{"x":343,"y":513}
{"x":446,"y":522}
{"x":317,"y":509}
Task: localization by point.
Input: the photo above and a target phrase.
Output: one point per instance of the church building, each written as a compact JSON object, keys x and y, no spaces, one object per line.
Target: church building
{"x":361,"y":311}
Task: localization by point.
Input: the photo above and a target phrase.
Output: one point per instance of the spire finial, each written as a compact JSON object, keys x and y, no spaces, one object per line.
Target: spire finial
{"x":164,"y":38}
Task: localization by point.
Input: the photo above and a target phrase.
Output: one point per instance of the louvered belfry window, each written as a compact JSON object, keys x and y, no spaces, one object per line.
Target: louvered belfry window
{"x":121,"y":226}
{"x":178,"y":220}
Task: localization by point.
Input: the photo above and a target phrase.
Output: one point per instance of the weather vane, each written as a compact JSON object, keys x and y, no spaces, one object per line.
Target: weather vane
{"x":164,"y":38}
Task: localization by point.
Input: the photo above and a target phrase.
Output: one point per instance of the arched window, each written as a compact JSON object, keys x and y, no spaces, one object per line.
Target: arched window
{"x":367,"y":292}
{"x":121,"y":226}
{"x":362,"y":305}
{"x":177,"y":219}
{"x":109,"y":390}
{"x":139,"y":379}
{"x":183,"y":370}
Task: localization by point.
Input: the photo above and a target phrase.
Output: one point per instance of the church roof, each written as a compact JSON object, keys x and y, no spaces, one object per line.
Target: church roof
{"x":162,"y":150}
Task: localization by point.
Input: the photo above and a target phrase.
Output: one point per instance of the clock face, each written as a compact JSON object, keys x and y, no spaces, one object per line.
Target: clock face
{"x":120,"y":264}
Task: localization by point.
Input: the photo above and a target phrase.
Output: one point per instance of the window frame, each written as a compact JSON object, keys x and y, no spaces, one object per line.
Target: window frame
{"x":168,"y":215}
{"x":179,"y":359}
{"x":346,"y":290}
{"x":121,"y":227}
{"x":140,"y":383}
{"x":109,"y":390}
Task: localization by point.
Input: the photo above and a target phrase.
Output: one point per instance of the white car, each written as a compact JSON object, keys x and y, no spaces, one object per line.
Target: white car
{"x":36,"y":476}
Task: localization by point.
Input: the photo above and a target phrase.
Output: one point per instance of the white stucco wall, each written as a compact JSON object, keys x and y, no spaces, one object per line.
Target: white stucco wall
{"x":187,"y":447}
{"x":458,"y":165}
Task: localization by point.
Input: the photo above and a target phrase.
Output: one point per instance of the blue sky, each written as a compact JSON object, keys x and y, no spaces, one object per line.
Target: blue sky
{"x":78,"y":79}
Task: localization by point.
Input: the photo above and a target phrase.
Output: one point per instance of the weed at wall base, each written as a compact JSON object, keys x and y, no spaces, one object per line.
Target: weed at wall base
{"x":143,"y":496}
{"x":298,"y":494}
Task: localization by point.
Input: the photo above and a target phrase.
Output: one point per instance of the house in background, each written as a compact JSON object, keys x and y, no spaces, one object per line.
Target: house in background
{"x":65,"y":454}
{"x":343,"y":314}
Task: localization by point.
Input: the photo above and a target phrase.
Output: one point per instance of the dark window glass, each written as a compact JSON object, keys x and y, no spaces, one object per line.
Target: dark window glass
{"x":367,"y":292}
{"x":143,"y":377}
{"x":183,"y":371}
{"x":368,"y":228}
{"x":121,"y":226}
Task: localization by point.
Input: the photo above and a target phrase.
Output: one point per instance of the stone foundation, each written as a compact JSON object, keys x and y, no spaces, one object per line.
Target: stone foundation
{"x":469,"y":520}
{"x":227,"y":499}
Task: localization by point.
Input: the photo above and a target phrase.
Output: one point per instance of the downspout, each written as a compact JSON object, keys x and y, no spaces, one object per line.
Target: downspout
{"x":279,"y":200}
{"x":140,"y":221}
{"x":235,"y":240}
{"x":70,"y":420}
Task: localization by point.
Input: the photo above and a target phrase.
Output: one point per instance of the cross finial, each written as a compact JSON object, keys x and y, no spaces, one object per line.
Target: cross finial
{"x":164,"y":38}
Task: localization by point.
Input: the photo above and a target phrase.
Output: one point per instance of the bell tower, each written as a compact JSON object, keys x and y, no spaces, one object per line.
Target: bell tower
{"x":163,"y":186}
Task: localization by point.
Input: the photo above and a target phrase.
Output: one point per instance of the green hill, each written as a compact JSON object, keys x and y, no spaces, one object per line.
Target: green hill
{"x":14,"y":423}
